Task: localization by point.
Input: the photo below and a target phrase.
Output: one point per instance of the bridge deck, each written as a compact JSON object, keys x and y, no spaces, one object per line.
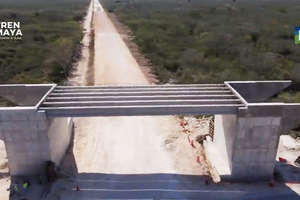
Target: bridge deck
{"x":81,"y":101}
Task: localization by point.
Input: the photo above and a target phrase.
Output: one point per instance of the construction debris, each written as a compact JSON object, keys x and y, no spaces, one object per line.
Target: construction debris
{"x":200,"y":138}
{"x":199,"y":130}
{"x":297,"y":161}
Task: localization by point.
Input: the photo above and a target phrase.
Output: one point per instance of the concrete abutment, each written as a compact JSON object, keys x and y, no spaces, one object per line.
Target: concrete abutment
{"x":31,"y":139}
{"x":248,"y":146}
{"x":247,"y":143}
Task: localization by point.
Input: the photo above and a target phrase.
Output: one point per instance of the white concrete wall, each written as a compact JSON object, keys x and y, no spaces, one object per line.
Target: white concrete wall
{"x":224,"y":136}
{"x":255,"y":147}
{"x":25,"y":135}
{"x":3,"y":155}
{"x":59,"y":133}
{"x":248,"y":145}
{"x":31,"y":139}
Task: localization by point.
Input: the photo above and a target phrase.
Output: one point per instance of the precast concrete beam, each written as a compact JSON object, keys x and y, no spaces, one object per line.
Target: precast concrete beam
{"x":127,"y":98}
{"x":141,"y":110}
{"x":85,"y":90}
{"x":142,"y":102}
{"x":140,"y":86}
{"x":217,"y":92}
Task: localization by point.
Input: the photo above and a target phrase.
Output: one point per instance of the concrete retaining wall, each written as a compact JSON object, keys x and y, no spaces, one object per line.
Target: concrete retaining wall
{"x":224,"y":136}
{"x":25,"y":135}
{"x":248,"y":143}
{"x":59,"y":133}
{"x":31,"y":139}
{"x":3,"y":154}
{"x":255,"y":148}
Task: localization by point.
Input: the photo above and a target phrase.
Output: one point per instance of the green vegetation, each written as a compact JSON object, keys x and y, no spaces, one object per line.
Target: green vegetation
{"x":213,"y":41}
{"x":50,"y":43}
{"x":91,"y":72}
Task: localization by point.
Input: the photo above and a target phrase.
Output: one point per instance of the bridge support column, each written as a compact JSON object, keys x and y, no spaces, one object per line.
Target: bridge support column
{"x":248,"y":142}
{"x":255,"y":148}
{"x":31,"y":139}
{"x":27,"y":144}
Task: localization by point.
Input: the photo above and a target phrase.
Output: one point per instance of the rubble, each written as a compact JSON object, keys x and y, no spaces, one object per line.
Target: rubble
{"x":198,"y":130}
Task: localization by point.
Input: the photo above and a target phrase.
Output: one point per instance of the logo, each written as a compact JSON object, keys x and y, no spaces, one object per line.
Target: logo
{"x":10,"y":31}
{"x":296,"y":33}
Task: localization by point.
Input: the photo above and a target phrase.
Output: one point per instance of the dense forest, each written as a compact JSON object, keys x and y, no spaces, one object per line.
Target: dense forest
{"x":192,"y":41}
{"x":50,"y":42}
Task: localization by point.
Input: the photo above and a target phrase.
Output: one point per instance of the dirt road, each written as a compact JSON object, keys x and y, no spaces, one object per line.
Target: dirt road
{"x":126,"y":145}
{"x":109,"y":147}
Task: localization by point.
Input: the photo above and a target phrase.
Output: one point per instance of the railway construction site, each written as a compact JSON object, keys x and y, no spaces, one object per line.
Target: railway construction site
{"x":125,"y":138}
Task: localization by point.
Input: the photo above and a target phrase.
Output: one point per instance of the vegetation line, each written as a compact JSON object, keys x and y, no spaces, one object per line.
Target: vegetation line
{"x":91,"y":70}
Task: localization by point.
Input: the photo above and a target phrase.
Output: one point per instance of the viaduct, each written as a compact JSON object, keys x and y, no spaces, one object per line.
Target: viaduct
{"x":246,"y":133}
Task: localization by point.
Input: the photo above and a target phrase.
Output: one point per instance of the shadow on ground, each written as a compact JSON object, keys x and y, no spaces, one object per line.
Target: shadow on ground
{"x":287,"y":173}
{"x":168,"y":186}
{"x":96,"y":186}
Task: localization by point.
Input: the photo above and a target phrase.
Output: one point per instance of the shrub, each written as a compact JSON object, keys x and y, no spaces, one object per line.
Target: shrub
{"x":195,"y":14}
{"x":78,"y":16}
{"x":281,"y":10}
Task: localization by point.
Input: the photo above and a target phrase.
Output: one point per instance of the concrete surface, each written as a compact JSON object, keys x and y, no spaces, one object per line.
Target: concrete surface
{"x":288,"y":149}
{"x":24,"y":95}
{"x":187,"y":99}
{"x":218,"y":158}
{"x":249,"y":144}
{"x":255,"y":148}
{"x":258,"y":91}
{"x":224,"y":137}
{"x":59,"y":133}
{"x":3,"y":155}
{"x":26,"y":137}
{"x":98,"y":186}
